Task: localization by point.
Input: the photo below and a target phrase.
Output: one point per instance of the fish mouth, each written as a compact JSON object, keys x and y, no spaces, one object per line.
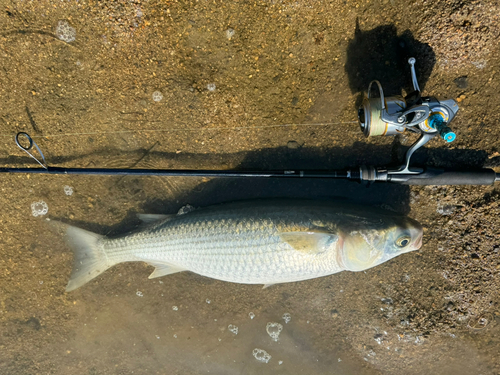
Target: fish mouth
{"x":418,"y":243}
{"x":416,"y":231}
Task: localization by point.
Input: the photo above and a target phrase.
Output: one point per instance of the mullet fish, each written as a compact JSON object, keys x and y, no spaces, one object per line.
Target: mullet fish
{"x":252,"y":242}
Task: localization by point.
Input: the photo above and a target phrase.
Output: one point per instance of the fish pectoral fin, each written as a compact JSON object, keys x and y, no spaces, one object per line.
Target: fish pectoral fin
{"x":311,"y":242}
{"x":162,"y":269}
{"x":153,"y":218}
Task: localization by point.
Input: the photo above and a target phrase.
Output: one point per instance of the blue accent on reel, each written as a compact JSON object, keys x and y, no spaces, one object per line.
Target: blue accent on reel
{"x":436,"y":121}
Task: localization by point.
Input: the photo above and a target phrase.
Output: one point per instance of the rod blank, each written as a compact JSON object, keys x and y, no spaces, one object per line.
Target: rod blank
{"x":430,"y":176}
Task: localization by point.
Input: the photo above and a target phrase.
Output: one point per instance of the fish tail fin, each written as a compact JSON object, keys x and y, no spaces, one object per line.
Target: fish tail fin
{"x":89,"y":259}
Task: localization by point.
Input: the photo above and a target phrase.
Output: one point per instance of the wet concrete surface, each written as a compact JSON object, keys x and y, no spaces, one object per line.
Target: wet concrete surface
{"x":249,"y":85}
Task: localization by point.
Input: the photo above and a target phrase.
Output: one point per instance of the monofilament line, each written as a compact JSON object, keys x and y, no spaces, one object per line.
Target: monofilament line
{"x":184,"y":129}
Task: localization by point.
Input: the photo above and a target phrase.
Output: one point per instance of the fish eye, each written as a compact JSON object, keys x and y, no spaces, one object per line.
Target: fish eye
{"x":403,"y":241}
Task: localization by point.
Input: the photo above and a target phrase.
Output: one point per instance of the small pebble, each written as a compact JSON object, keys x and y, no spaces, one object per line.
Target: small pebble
{"x":139,"y":293}
{"x":211,"y":87}
{"x":251,"y":315}
{"x":292,"y":145}
{"x":175,"y":308}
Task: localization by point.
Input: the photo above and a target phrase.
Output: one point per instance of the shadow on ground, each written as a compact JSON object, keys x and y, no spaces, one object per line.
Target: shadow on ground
{"x":382,"y":54}
{"x":204,"y":192}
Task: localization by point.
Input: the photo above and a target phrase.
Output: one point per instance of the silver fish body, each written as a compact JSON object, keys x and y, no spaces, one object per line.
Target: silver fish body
{"x":254,"y":242}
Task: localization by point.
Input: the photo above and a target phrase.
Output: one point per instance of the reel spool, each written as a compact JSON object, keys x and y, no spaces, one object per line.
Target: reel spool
{"x":370,"y":113}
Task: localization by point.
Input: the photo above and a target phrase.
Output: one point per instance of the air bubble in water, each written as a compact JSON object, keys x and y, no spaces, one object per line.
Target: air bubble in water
{"x":175,"y":308}
{"x":68,"y":190}
{"x":65,"y":32}
{"x":230,"y":33}
{"x":39,"y":208}
{"x":233,"y":329}
{"x":274,"y":330}
{"x":157,"y":96}
{"x":261,"y":355}
{"x":185,"y":209}
{"x":251,"y":315}
{"x":287,"y":317}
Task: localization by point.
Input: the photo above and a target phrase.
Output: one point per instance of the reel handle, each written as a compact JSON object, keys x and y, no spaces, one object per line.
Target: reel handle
{"x":436,"y":122}
{"x":414,"y":81}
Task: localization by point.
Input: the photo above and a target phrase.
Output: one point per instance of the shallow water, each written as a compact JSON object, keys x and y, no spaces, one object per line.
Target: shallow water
{"x":241,"y":64}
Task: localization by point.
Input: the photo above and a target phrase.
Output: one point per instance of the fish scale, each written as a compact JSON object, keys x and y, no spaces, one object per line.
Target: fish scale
{"x":260,"y":242}
{"x":207,"y":245}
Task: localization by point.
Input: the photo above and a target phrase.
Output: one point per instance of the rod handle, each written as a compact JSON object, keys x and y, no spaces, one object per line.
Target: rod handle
{"x":432,"y":176}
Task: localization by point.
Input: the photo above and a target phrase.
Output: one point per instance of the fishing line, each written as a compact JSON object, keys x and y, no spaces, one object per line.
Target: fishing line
{"x":184,"y":129}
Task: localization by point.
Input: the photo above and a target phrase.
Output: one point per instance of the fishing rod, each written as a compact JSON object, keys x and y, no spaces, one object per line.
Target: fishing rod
{"x":378,"y":116}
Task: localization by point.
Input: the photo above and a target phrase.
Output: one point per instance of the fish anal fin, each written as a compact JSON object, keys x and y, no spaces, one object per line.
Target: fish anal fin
{"x":153,"y":218}
{"x":310,"y":242}
{"x":162,"y":269}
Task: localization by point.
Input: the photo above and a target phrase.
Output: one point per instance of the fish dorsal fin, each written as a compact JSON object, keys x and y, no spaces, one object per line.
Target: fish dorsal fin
{"x":162,"y":269}
{"x":314,"y":241}
{"x":153,"y":218}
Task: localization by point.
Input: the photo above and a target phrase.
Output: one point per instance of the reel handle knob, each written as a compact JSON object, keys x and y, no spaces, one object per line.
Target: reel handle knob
{"x":437,"y":122}
{"x":447,"y":134}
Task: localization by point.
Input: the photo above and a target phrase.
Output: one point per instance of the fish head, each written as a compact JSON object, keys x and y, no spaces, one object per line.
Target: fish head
{"x":366,"y":247}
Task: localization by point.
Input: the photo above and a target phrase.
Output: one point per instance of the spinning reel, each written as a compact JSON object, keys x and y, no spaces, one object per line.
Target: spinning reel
{"x":394,"y":115}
